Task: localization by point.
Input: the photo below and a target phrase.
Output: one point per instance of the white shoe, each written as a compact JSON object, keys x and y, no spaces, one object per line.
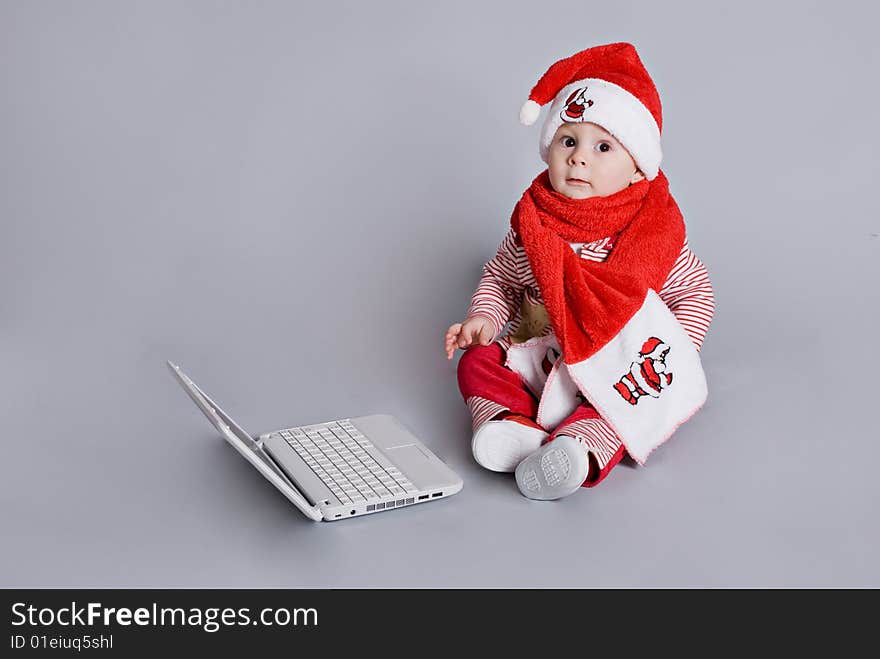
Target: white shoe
{"x":501,"y":445}
{"x":554,"y":471}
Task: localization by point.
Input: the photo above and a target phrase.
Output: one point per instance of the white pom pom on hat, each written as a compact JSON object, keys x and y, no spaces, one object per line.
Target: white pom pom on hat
{"x":529,"y":112}
{"x":607,"y":85}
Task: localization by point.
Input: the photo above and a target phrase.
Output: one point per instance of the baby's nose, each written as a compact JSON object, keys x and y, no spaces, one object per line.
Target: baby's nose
{"x":578,"y":157}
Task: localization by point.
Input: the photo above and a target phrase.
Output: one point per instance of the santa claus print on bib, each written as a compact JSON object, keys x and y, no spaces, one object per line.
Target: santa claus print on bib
{"x":648,"y":375}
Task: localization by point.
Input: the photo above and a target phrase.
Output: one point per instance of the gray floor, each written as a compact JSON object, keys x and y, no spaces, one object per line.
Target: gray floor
{"x":295,"y":205}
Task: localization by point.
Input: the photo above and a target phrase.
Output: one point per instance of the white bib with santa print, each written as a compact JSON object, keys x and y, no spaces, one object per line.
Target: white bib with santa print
{"x":646,"y":381}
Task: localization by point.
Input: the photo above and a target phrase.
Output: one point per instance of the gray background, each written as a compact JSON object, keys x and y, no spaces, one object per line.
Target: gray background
{"x":294,"y":201}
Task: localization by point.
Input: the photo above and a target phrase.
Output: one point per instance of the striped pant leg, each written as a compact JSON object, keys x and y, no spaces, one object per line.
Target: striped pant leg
{"x":489,"y":387}
{"x":482,"y":410}
{"x":597,"y":437}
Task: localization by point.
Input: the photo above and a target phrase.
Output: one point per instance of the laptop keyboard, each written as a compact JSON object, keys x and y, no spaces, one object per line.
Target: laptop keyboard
{"x":337,"y":453}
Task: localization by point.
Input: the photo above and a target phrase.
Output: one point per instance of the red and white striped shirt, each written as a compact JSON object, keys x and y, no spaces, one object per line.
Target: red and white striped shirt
{"x":508,"y":278}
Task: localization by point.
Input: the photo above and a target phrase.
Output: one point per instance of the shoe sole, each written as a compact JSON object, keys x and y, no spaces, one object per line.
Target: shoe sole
{"x":501,"y":445}
{"x":554,"y":471}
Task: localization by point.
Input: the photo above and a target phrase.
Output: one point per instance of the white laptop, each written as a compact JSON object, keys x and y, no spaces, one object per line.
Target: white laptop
{"x":338,"y":469}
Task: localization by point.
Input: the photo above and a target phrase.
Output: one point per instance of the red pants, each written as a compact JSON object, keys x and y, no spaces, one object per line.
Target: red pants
{"x":489,"y":387}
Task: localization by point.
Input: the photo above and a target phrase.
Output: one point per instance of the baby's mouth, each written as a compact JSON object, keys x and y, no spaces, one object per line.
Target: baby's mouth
{"x":577,"y":181}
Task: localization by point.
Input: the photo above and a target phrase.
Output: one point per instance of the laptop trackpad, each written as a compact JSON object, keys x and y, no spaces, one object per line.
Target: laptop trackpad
{"x":416,"y":464}
{"x":407,"y":454}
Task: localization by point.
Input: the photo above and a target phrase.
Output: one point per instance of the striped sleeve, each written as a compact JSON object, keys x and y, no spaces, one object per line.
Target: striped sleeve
{"x":688,"y":294}
{"x":500,"y":291}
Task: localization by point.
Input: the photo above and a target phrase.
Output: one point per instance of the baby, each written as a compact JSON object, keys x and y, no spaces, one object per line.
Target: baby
{"x":607,"y":305}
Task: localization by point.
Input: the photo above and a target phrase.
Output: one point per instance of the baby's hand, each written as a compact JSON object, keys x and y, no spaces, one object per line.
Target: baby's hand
{"x":476,"y":329}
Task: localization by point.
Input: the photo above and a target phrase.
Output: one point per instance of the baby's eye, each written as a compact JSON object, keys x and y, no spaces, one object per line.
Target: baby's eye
{"x":568,"y":141}
{"x":603,"y":147}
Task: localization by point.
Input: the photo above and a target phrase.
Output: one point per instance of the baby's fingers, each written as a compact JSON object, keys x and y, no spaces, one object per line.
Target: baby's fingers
{"x":450,"y":342}
{"x":465,"y":338}
{"x":451,"y":336}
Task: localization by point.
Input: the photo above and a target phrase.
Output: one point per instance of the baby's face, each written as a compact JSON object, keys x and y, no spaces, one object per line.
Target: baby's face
{"x":585,"y":160}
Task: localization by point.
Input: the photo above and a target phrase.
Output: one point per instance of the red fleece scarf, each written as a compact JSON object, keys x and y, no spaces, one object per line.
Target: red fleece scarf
{"x":589,"y":302}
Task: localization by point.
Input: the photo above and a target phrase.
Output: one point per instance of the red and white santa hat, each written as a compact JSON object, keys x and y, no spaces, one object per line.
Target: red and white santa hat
{"x":608,"y":86}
